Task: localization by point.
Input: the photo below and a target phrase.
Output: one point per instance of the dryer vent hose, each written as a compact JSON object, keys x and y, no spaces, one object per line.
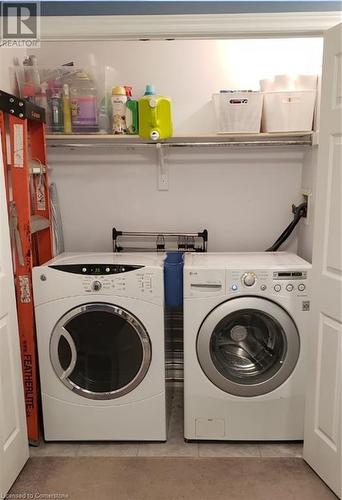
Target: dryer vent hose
{"x":298,"y":212}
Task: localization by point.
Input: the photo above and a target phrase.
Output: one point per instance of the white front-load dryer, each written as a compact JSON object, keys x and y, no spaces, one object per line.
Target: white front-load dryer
{"x":245,"y":342}
{"x":100,"y":331}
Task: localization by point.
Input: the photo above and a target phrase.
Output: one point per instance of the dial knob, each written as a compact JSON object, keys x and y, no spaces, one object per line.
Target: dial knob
{"x":97,"y":285}
{"x":249,"y":279}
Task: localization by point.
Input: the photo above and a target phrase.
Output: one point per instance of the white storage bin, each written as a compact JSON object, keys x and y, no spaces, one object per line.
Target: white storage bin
{"x":238,"y":111}
{"x":288,"y":111}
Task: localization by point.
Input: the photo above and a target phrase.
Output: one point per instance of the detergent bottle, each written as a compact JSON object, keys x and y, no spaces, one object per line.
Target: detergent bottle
{"x":155,"y":115}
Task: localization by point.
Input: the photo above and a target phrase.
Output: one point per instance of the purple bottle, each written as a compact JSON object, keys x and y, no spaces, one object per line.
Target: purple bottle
{"x":83,"y":100}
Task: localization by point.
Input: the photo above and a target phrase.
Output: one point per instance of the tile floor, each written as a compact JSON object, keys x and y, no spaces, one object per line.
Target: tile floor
{"x":174,"y":447}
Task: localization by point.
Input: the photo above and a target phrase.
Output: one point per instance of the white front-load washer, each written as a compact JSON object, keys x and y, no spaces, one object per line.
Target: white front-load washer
{"x":100,"y":331}
{"x":245,"y":342}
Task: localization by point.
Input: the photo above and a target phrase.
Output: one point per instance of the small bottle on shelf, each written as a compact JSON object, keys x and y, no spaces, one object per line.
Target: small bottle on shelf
{"x":83,"y":101}
{"x":119,"y":101}
{"x":56,"y":105}
{"x":66,"y":110}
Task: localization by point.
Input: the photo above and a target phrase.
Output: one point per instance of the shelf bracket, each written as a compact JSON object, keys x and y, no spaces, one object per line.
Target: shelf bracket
{"x":163,"y":171}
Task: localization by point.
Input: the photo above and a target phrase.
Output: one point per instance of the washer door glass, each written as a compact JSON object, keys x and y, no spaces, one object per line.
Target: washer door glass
{"x":248,"y":346}
{"x":100,"y":351}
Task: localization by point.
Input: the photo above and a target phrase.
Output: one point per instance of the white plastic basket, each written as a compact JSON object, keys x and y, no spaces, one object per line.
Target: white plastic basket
{"x":288,"y":111}
{"x":238,"y":111}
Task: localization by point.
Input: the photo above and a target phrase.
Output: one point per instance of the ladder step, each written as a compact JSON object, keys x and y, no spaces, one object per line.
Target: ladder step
{"x":38,"y":223}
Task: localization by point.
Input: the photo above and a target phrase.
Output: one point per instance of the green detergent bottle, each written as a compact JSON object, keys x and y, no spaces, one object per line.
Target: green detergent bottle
{"x":155,"y":115}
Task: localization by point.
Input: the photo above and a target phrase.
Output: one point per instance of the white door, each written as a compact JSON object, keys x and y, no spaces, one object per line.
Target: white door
{"x":322,"y":441}
{"x":13,"y":434}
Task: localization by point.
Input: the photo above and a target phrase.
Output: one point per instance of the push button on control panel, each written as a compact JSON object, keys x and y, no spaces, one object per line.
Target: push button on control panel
{"x":263,"y":287}
{"x":289,"y":287}
{"x":301,"y":287}
{"x":277,"y":288}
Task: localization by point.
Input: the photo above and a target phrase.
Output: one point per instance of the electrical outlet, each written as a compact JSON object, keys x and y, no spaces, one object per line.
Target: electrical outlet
{"x":307,"y":198}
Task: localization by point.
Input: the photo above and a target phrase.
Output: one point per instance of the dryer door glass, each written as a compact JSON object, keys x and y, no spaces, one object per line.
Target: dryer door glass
{"x":100,"y":351}
{"x":248,"y":346}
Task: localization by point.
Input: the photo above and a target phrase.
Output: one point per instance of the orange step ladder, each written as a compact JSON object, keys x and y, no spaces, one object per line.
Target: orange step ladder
{"x":22,"y":131}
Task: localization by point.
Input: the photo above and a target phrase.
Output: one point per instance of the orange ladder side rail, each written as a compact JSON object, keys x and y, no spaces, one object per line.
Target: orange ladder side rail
{"x":20,"y":176}
{"x":41,"y":206}
{"x":21,"y":140}
{"x":4,"y":153}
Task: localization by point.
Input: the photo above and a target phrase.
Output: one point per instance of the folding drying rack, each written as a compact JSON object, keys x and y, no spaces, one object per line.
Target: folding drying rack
{"x":162,"y":241}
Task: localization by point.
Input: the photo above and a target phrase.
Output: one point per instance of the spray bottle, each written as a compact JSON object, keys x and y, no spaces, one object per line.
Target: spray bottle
{"x":132,"y":122}
{"x":104,"y":122}
{"x":119,"y":100}
{"x":56,"y":105}
{"x":42,"y":101}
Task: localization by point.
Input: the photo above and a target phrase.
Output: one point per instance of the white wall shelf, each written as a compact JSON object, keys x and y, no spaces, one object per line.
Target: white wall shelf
{"x":215,"y":140}
{"x":250,"y":141}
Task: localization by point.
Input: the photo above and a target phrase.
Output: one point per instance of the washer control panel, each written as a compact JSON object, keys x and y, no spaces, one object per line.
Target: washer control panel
{"x":268,"y":281}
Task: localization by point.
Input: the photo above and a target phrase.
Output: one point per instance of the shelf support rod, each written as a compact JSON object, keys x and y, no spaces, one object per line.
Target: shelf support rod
{"x":163,"y":170}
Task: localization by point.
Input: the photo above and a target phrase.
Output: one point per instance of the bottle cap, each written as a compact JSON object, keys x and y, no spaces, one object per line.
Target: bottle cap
{"x":119,"y":90}
{"x":128,"y":90}
{"x":150,"y":90}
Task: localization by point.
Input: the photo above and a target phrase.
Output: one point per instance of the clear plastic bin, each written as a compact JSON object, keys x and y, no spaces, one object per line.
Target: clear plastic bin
{"x":238,"y":112}
{"x":73,"y":97}
{"x":291,"y":111}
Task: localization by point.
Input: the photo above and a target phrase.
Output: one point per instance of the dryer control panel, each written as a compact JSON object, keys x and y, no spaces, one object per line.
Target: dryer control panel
{"x":135,"y":281}
{"x":95,"y":269}
{"x":142,"y":281}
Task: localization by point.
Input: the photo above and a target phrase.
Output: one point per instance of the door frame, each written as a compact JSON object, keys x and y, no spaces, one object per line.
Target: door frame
{"x":187,"y":26}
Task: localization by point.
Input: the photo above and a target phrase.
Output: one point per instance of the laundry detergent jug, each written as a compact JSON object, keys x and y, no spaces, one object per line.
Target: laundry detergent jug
{"x":155,"y":115}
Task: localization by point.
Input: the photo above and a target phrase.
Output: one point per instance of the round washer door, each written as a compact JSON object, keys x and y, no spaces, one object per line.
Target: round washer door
{"x":100,"y":351}
{"x":248,"y":346}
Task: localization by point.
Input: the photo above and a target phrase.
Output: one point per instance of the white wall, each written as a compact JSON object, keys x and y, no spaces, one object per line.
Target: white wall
{"x":242,"y":197}
{"x":189,"y":71}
